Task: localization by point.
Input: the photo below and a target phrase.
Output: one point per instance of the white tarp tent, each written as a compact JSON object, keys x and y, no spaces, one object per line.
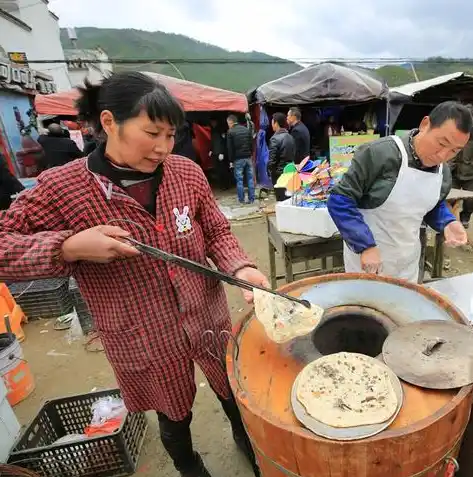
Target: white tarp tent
{"x":411,"y":89}
{"x":454,"y":86}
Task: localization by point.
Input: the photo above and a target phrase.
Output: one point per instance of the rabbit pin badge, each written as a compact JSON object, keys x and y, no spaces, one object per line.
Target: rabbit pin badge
{"x":183,"y":221}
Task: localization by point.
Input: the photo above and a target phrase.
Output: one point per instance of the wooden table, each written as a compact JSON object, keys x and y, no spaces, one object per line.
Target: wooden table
{"x":436,"y":267}
{"x":301,"y":248}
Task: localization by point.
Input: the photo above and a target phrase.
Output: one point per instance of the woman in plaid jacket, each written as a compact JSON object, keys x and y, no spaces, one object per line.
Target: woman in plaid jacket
{"x":151,"y":315}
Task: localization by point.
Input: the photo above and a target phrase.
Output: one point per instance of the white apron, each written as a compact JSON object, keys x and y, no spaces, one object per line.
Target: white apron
{"x":396,"y":223}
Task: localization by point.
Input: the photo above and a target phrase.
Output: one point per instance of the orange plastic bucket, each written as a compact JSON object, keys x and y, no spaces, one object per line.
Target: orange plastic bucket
{"x":14,"y":369}
{"x":7,"y":296}
{"x":17,"y":317}
{"x":4,"y":308}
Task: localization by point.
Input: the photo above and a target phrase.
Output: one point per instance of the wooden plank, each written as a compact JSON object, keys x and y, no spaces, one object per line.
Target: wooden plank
{"x":459,"y":194}
{"x":320,"y":250}
{"x":294,"y":240}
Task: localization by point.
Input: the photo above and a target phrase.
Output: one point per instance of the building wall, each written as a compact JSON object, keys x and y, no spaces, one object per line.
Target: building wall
{"x":13,"y":37}
{"x":77,"y":76}
{"x":94,"y":72}
{"x":42,"y":42}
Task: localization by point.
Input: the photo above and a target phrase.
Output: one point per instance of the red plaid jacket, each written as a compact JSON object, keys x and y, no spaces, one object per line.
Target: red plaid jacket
{"x":151,"y":315}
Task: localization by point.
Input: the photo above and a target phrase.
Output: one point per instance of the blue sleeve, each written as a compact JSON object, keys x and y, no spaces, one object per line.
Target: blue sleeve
{"x":350,"y":223}
{"x":439,"y":217}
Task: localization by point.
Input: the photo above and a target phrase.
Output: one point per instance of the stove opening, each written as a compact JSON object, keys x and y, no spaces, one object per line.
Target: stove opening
{"x":354,"y":329}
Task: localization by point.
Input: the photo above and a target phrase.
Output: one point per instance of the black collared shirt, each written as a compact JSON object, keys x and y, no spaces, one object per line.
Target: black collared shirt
{"x":143,"y":187}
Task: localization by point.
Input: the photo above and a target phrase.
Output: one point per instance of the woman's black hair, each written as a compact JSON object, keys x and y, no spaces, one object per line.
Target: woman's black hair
{"x":126,"y":95}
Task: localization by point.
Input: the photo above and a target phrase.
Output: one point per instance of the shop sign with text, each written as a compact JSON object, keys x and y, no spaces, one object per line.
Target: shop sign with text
{"x":25,"y":78}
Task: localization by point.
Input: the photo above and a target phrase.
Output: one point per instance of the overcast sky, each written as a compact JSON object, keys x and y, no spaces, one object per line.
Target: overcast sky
{"x":308,"y":29}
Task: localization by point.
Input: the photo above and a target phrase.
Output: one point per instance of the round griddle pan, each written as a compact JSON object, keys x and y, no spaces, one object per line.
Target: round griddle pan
{"x":347,"y":433}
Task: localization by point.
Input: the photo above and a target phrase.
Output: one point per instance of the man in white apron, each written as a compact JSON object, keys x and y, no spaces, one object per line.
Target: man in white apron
{"x":395,"y":184}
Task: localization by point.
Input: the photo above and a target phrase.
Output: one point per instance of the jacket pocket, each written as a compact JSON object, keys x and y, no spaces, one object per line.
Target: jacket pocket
{"x":127,"y":350}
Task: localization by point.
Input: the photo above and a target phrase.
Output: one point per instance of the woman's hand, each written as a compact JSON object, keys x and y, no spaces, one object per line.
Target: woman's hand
{"x":99,"y":244}
{"x":255,"y":277}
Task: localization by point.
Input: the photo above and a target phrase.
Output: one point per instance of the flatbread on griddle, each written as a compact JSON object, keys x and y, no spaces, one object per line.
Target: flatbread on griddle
{"x":283,"y":319}
{"x":347,"y":390}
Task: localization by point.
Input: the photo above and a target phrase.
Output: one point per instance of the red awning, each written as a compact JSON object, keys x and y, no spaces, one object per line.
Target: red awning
{"x":193,"y":97}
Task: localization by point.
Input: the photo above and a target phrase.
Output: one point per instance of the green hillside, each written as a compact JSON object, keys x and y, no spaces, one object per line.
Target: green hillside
{"x":139,"y":44}
{"x":430,"y":68}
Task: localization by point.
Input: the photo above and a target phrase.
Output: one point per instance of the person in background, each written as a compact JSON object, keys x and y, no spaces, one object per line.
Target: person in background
{"x":90,"y":141}
{"x":360,"y":127}
{"x":392,"y":186}
{"x":250,"y":125}
{"x":218,"y":154}
{"x":282,"y":147}
{"x":184,"y":146}
{"x":152,"y":316}
{"x":332,"y":128}
{"x":58,"y":149}
{"x":9,"y":184}
{"x":240,"y":155}
{"x":300,"y":133}
{"x":462,"y":172}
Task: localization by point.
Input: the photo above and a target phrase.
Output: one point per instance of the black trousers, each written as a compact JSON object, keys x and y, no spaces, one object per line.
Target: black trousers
{"x":177,"y":440}
{"x":222,"y":174}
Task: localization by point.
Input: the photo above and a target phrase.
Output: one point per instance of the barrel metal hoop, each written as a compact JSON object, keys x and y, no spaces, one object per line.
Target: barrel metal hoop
{"x":446,"y":458}
{"x":11,"y":358}
{"x":454,"y":462}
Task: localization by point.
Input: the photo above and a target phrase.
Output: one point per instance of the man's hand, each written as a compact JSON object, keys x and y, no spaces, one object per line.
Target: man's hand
{"x":455,"y":234}
{"x":371,"y":260}
{"x":255,"y":277}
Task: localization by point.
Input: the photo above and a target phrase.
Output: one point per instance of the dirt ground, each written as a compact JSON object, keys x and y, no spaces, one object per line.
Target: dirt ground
{"x":62,"y":369}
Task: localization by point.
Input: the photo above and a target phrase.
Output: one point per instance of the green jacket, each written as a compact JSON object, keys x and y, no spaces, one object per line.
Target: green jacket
{"x":462,"y":165}
{"x":374,"y":170}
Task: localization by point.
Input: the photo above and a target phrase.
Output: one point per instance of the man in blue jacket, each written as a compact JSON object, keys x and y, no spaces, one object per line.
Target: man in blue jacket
{"x":395,"y":184}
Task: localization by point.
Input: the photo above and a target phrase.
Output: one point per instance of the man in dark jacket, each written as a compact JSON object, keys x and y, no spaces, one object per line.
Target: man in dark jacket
{"x":183,"y":145}
{"x":240,"y":152}
{"x":300,"y":133}
{"x":9,"y":185}
{"x":90,"y":141}
{"x":219,"y":155}
{"x":282,"y":147}
{"x":462,"y":172}
{"x":392,"y":186}
{"x":58,"y":149}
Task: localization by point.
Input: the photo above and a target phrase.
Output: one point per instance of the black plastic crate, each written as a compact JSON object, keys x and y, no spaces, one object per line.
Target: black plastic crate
{"x":48,"y":298}
{"x":85,"y":318}
{"x":113,"y":455}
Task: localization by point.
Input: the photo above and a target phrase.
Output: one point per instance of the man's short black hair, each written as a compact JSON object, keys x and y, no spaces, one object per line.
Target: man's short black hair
{"x":280,"y":119}
{"x":452,"y":110}
{"x":232,"y":118}
{"x":296,"y":112}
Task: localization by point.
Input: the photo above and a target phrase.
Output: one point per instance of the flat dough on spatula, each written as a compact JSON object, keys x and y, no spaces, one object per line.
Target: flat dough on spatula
{"x":347,"y":390}
{"x":283,"y":319}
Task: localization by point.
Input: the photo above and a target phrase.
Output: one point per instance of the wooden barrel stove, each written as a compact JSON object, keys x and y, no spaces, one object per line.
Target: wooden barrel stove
{"x":424,"y":437}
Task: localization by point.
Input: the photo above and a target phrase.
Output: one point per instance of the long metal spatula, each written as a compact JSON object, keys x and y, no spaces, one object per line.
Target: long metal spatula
{"x":207,"y":271}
